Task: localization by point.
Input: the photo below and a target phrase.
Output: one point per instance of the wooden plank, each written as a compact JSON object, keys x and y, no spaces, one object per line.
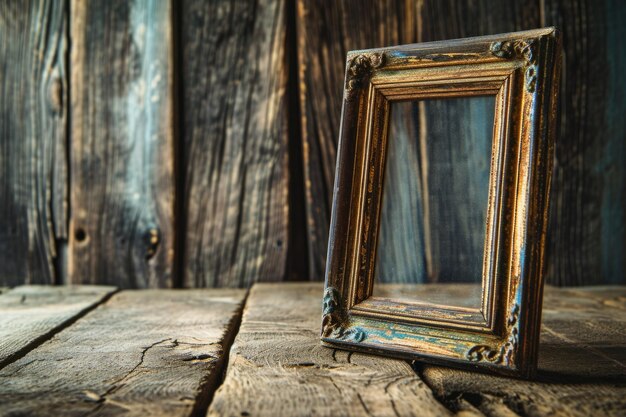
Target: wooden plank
{"x":450,"y":19}
{"x":277,"y":366}
{"x":33,"y":116}
{"x":327,"y":30}
{"x":122,"y":197}
{"x":150,"y":352}
{"x":582,"y":362}
{"x":435,"y":195}
{"x":31,"y":314}
{"x":234,"y":75}
{"x":452,"y":294}
{"x":401,"y":255}
{"x":587,"y":241}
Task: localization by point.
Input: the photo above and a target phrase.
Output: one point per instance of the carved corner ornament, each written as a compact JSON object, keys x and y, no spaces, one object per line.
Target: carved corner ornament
{"x":334,"y":318}
{"x":360,"y":69}
{"x":502,"y":354}
{"x":525,"y":49}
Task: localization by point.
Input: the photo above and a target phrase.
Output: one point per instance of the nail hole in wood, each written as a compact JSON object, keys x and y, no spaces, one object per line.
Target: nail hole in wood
{"x":80,"y":235}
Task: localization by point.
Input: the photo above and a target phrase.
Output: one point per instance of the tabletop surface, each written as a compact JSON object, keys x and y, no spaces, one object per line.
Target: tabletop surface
{"x":98,"y":351}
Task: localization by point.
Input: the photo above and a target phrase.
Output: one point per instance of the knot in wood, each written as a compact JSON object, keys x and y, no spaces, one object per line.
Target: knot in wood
{"x":153,"y":238}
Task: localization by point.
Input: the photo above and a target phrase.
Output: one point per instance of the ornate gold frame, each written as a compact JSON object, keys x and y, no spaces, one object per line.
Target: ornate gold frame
{"x":521,"y":70}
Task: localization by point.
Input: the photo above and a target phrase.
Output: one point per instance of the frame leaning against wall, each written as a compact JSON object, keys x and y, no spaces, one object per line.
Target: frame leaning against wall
{"x":521,"y":71}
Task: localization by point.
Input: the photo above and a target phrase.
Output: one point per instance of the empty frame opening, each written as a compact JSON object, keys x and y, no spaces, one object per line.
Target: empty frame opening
{"x":435,"y":197}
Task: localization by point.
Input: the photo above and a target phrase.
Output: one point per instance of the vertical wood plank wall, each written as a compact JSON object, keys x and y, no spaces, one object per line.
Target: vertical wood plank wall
{"x":234,"y":132}
{"x":33,"y":124}
{"x":122,"y":159}
{"x":327,"y":30}
{"x":158,"y":143}
{"x":588,"y":225}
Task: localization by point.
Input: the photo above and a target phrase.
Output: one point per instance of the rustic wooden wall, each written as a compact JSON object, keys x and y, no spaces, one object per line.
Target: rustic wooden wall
{"x":434,"y":203}
{"x":588,"y":227}
{"x":122,"y":159}
{"x":588,"y":224}
{"x":155,"y":143}
{"x":234,"y":133}
{"x":33,"y":126}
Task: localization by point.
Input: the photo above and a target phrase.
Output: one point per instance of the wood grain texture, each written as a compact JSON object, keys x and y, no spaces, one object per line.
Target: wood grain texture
{"x":582,"y":362}
{"x":435,"y":193}
{"x":450,"y":19}
{"x":401,"y":254}
{"x":458,"y":136}
{"x":151,"y":352}
{"x":587,"y":241}
{"x":452,"y":294}
{"x":328,"y":30}
{"x":277,"y":366}
{"x":31,"y":314}
{"x":588,"y":226}
{"x":122,"y":159}
{"x":33,"y":116}
{"x":234,"y":75}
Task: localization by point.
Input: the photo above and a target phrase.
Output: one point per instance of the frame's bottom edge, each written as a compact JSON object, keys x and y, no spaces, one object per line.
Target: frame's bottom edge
{"x":482,"y":367}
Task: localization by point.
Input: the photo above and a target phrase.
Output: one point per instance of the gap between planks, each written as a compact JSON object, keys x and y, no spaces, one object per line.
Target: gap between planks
{"x":32,"y":315}
{"x":277,"y":366}
{"x":157,"y":352}
{"x":205,"y":400}
{"x":582,"y":358}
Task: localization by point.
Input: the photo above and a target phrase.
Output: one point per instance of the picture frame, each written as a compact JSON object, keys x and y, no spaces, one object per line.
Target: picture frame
{"x":521,"y":71}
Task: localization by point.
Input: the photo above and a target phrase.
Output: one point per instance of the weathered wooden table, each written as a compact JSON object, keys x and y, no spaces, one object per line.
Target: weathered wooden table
{"x":95,"y":351}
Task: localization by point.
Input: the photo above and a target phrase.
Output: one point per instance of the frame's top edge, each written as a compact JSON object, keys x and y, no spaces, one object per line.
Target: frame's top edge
{"x":451,"y":43}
